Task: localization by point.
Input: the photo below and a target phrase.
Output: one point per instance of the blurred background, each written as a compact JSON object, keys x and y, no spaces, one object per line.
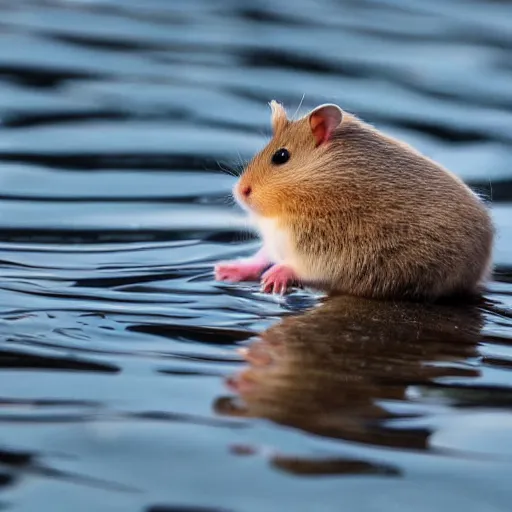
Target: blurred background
{"x":121,"y":125}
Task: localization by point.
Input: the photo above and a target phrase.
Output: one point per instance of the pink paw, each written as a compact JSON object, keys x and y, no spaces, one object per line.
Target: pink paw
{"x":236,"y":271}
{"x":278,"y":279}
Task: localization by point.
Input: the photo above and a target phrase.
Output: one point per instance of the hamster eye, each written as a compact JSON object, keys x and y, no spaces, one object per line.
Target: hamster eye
{"x":281,"y":156}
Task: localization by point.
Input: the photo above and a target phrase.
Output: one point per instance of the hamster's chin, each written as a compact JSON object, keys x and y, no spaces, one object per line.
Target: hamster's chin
{"x":244,"y":205}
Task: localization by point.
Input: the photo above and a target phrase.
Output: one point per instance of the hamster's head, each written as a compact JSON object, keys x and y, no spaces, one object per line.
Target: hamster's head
{"x":291,"y":161}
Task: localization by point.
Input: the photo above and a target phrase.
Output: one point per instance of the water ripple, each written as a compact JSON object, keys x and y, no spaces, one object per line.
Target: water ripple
{"x":130,"y":380}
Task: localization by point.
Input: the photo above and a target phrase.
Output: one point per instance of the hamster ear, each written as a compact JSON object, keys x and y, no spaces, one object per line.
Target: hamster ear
{"x":279,"y":119}
{"x":323,"y":121}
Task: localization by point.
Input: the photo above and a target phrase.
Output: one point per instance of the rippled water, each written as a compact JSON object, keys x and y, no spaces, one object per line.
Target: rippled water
{"x":121,"y":386}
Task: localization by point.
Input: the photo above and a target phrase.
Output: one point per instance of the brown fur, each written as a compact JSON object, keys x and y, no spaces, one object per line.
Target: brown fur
{"x":368,"y":215}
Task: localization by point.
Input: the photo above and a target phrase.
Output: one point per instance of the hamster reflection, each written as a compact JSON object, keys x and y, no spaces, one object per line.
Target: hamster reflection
{"x":336,"y":370}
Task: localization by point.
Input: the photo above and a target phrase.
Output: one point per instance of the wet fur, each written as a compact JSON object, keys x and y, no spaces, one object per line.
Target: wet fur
{"x":367,"y":215}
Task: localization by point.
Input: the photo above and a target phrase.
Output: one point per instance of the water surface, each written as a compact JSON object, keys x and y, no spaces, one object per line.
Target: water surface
{"x":121,"y":384}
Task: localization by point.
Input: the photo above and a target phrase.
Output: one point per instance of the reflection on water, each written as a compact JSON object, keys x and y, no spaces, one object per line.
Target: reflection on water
{"x":116,"y":345}
{"x":342,"y":370}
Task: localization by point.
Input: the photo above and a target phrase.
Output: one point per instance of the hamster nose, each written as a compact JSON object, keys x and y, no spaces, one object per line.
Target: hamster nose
{"x":246,"y":191}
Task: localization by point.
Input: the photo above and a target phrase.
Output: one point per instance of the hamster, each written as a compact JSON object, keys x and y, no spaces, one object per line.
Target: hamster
{"x":346,"y":209}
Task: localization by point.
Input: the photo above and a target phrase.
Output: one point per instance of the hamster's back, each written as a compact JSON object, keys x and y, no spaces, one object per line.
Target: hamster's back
{"x":405,"y":226}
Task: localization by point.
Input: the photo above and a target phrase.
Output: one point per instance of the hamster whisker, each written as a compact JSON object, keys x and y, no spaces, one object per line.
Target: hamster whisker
{"x":298,"y":108}
{"x":229,"y":199}
{"x":241,"y":162}
{"x":227,"y":170}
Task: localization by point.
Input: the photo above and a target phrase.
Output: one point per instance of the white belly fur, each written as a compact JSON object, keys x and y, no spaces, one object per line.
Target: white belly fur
{"x":275,"y":239}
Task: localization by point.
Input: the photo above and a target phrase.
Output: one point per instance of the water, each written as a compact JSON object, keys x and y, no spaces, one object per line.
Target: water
{"x":121,"y":386}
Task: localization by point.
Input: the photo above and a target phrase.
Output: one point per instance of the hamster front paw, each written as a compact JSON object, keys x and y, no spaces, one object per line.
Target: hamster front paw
{"x":236,"y":271}
{"x":278,"y":279}
{"x":248,"y":269}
